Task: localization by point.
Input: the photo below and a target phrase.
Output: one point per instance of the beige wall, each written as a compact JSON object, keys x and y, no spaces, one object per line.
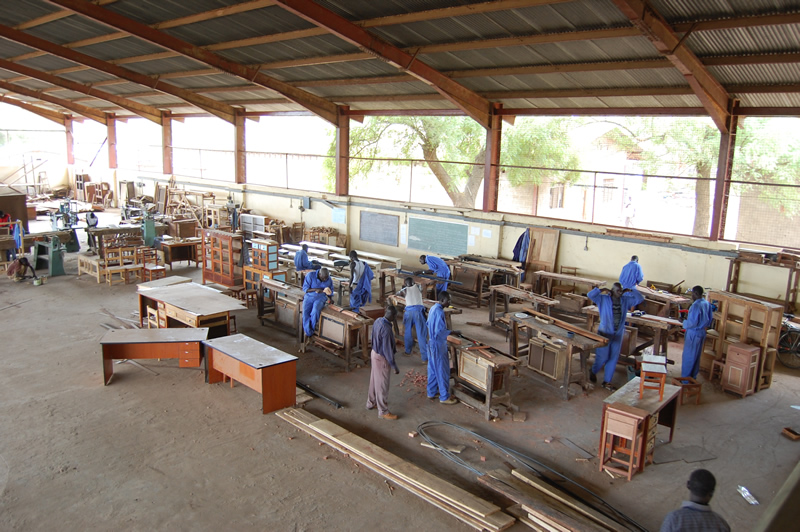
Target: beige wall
{"x":693,"y":261}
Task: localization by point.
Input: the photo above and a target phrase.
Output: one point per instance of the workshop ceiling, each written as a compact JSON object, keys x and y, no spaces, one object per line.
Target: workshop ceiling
{"x":276,"y":56}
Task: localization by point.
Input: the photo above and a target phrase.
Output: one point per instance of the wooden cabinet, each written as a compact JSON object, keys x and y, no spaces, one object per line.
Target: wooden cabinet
{"x":264,"y":254}
{"x":546,"y":360}
{"x":741,"y":369}
{"x":744,"y":320}
{"x":216,"y":216}
{"x":222,"y":255}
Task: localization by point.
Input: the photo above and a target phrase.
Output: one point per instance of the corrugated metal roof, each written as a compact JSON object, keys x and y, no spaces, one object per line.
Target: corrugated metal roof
{"x":742,"y":41}
{"x":16,"y":12}
{"x":691,"y":10}
{"x":771,"y":74}
{"x":69,"y":29}
{"x":286,"y":50}
{"x":152,"y":11}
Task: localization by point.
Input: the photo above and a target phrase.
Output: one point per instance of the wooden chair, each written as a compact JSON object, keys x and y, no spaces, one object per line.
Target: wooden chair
{"x":621,"y":443}
{"x":564,"y":288}
{"x":147,"y":258}
{"x":115,"y":266}
{"x":653,"y":377}
{"x":689,"y":388}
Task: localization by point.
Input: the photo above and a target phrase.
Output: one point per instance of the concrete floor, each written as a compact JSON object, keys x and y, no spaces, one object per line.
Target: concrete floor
{"x":169,"y":451}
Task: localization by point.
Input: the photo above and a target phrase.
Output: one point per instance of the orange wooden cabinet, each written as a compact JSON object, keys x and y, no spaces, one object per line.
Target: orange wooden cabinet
{"x":259,"y":366}
{"x":741,"y":369}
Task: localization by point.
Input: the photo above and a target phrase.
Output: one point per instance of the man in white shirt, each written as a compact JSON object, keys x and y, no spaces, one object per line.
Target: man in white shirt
{"x":414,"y":317}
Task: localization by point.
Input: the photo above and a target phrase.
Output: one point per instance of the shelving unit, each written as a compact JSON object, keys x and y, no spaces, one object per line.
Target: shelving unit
{"x":792,"y":283}
{"x":253,"y":276}
{"x":264,"y":254}
{"x":222,"y":254}
{"x":744,"y":320}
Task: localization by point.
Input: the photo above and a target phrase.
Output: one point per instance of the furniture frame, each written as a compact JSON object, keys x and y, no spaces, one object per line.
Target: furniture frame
{"x":508,"y":292}
{"x":222,"y":258}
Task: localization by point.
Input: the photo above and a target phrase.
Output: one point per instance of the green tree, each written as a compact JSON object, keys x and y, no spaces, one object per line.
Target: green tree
{"x":447,"y":143}
{"x":679,"y":146}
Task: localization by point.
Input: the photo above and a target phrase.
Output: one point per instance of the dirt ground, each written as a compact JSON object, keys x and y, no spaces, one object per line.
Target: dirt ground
{"x":167,"y":451}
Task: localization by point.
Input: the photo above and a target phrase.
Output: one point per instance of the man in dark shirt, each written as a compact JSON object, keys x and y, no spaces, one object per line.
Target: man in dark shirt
{"x":382,"y":360}
{"x":695,"y":515}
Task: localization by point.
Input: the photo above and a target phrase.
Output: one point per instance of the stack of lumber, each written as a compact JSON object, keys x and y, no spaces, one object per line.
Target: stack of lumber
{"x":544,"y":507}
{"x":464,"y":506}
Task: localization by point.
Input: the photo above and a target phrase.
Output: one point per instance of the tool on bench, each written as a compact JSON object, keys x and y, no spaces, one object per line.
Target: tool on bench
{"x":317,"y":394}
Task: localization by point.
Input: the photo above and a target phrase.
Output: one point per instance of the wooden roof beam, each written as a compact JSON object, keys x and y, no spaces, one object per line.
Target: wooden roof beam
{"x":319,"y":106}
{"x":88,"y":112}
{"x":473,"y":104}
{"x":145,"y":111}
{"x":215,"y":107}
{"x":710,"y":92}
{"x":55,"y":116}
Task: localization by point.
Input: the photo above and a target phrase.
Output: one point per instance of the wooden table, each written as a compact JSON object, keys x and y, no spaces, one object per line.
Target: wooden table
{"x":476,"y":279}
{"x":374,"y":265}
{"x":393,"y":261}
{"x":130,"y":344}
{"x":259,"y":366}
{"x":666,"y":409}
{"x":188,"y":250}
{"x":191,"y":305}
{"x":314,"y":253}
{"x":512,"y":270}
{"x":662,"y":327}
{"x":547,"y":279}
{"x":428,"y":285}
{"x":481,"y":371}
{"x":164,"y":281}
{"x":324,"y":247}
{"x":281,"y":304}
{"x":508,"y":292}
{"x":400,"y":303}
{"x":341,"y":333}
{"x":668,"y":304}
{"x":569,"y":344}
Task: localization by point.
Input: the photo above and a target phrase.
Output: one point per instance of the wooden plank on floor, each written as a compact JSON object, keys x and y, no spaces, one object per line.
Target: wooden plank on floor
{"x":522,"y":516}
{"x":496,"y":522}
{"x":549,"y":510}
{"x":534,"y":481}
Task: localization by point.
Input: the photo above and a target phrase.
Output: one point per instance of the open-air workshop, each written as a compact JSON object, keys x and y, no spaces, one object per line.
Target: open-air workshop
{"x":484,"y":265}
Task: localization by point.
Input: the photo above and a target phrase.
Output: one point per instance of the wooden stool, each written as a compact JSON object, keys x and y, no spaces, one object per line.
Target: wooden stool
{"x":249,"y":297}
{"x":623,"y":434}
{"x":689,"y":388}
{"x":717,"y":367}
{"x":653,"y":377}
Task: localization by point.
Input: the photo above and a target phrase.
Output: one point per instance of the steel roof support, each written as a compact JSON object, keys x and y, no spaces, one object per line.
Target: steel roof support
{"x":145,"y":111}
{"x":470,"y":102}
{"x":343,"y":153}
{"x":710,"y":92}
{"x":319,"y":106}
{"x":54,"y":116}
{"x":491,"y":168}
{"x":82,"y":110}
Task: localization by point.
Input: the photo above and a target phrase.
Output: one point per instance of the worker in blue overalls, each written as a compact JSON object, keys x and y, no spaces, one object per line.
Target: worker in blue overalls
{"x":613,"y":307}
{"x":695,"y":324}
{"x":301,"y":261}
{"x":360,"y":282}
{"x":414,"y":318}
{"x":437,"y":267}
{"x":631,"y":274}
{"x":438,"y":357}
{"x":318,"y":288}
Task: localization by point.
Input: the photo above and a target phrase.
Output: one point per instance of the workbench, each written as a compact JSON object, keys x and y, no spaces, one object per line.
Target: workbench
{"x":324,"y":247}
{"x":554,"y":363}
{"x":189,"y":305}
{"x":512,"y":270}
{"x":400,"y":303}
{"x":131,"y":344}
{"x":508,"y":292}
{"x":259,"y":366}
{"x":789,"y":301}
{"x":547,"y":279}
{"x":428,"y":285}
{"x":666,"y":304}
{"x":164,"y":281}
{"x":475,"y":279}
{"x":188,"y":250}
{"x":374,"y":265}
{"x":394,"y":262}
{"x":482,"y":375}
{"x":661,"y":412}
{"x":341,"y":333}
{"x":662,"y":327}
{"x":281,"y":304}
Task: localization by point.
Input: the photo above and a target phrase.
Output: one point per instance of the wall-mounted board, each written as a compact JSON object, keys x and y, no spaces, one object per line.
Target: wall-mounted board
{"x":379,"y":228}
{"x":444,"y":238}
